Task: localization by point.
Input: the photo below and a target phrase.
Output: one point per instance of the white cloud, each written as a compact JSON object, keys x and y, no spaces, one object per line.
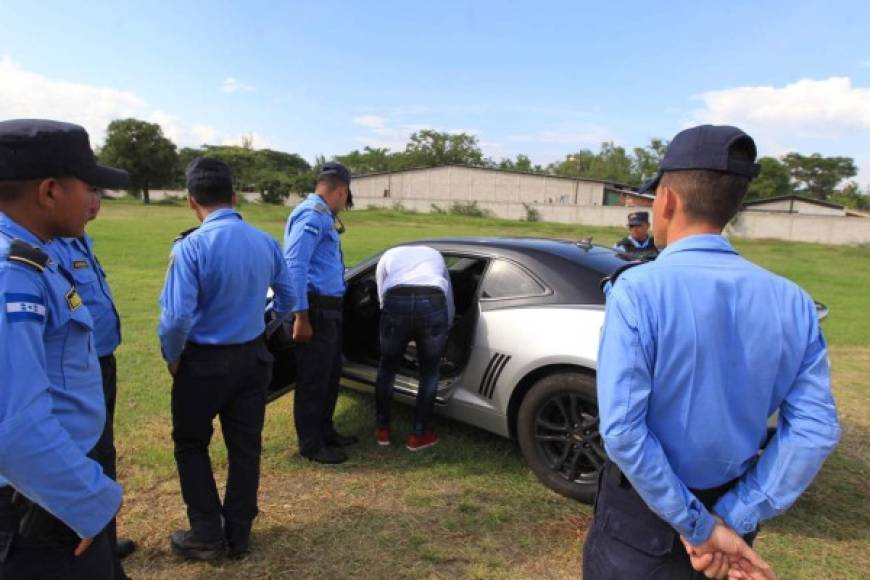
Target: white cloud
{"x":820,"y":109}
{"x":25,"y":94}
{"x":370,"y":121}
{"x":233,"y":85}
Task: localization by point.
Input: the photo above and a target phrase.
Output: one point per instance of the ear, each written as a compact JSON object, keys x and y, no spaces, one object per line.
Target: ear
{"x":192,"y":202}
{"x":671,"y":203}
{"x":47,"y":192}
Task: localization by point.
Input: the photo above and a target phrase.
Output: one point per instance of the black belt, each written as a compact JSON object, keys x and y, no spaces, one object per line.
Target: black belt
{"x":248,"y":344}
{"x":324,"y":302}
{"x":708,"y":497}
{"x":415,"y":291}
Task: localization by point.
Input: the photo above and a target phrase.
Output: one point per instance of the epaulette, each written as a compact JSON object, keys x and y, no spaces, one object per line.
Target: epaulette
{"x":184,"y":234}
{"x":22,"y":252}
{"x":320,"y":208}
{"x":612,"y":277}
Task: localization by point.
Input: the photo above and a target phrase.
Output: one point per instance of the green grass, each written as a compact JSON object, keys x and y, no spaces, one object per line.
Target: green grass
{"x":470,"y":507}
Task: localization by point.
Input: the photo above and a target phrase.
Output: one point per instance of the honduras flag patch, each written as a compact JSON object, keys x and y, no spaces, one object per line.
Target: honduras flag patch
{"x":21,"y":307}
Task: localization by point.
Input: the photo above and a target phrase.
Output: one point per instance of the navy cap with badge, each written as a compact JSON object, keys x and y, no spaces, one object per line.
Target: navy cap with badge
{"x":341,"y":172}
{"x":209,"y":173}
{"x":637,"y":218}
{"x":41,"y":148}
{"x":707,"y":147}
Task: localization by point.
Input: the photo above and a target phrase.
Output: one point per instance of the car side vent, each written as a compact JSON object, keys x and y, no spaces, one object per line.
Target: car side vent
{"x":493,"y":371}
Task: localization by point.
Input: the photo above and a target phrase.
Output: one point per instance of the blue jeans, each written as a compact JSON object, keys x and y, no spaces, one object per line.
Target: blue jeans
{"x":420,"y":315}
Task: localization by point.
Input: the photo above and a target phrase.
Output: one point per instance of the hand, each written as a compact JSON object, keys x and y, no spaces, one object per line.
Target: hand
{"x":725,"y":554}
{"x":302,"y":331}
{"x":83,"y":545}
{"x":173,"y":367}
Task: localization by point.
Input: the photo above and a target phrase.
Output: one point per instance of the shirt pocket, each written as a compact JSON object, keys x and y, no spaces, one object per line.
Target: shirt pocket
{"x":83,"y":274}
{"x":78,"y":351}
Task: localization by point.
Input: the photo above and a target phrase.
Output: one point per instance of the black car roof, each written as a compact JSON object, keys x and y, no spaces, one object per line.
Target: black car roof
{"x":571,"y":269}
{"x":600,"y":259}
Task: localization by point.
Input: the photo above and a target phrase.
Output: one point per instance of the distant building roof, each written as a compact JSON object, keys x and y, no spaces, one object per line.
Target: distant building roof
{"x":622,"y":186}
{"x":812,"y":200}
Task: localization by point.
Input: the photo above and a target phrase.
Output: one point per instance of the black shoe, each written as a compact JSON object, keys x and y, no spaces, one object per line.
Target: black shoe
{"x":124,"y":547}
{"x":185,"y":545}
{"x":328,"y":455}
{"x":336,"y":439}
{"x":238,"y":549}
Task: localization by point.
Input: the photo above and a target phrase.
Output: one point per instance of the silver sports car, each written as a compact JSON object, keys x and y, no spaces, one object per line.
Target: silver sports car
{"x":521,"y":355}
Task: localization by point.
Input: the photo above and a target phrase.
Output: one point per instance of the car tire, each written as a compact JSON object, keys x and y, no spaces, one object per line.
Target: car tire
{"x":557,"y":429}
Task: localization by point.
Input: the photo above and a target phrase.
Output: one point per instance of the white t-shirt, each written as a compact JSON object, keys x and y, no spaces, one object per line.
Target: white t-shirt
{"x":414,"y":266}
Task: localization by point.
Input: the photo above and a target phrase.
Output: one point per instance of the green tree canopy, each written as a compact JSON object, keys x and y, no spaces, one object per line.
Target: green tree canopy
{"x":818,"y":176}
{"x":429,"y":148}
{"x":774,"y":180}
{"x":142,"y":150}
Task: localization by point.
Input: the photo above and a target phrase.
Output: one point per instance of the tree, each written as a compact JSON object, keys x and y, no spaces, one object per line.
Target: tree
{"x":611,"y":163}
{"x":818,"y":176}
{"x":647,"y":159}
{"x":522,"y":163}
{"x":851,"y":196}
{"x":141,"y":149}
{"x":369,"y":160}
{"x":430,"y":148}
{"x":774,"y":180}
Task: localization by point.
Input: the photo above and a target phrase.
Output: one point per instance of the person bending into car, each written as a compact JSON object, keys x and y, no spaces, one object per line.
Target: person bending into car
{"x":416,"y":304}
{"x":211,"y":336}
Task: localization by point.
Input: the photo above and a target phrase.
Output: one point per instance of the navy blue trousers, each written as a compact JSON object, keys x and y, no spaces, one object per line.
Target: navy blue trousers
{"x":419,"y":315}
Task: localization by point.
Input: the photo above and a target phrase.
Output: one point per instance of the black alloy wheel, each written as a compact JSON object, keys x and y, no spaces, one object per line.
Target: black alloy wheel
{"x":557,"y":428}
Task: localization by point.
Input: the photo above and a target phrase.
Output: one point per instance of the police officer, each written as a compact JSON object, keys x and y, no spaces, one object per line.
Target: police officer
{"x":698,"y":349}
{"x":77,"y":255}
{"x":55,"y":500}
{"x":211,"y":335}
{"x":638,"y":243}
{"x":313,"y":253}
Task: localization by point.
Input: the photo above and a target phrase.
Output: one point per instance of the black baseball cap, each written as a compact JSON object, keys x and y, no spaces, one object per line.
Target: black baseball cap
{"x":40,"y":148}
{"x":707,"y":147}
{"x":637,"y":218}
{"x":210,"y":173}
{"x":340,"y":171}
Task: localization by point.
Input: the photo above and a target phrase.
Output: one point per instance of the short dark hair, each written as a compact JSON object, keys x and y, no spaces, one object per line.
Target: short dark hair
{"x":711,"y":196}
{"x":15,"y":190}
{"x":212,"y":195}
{"x":331,"y":181}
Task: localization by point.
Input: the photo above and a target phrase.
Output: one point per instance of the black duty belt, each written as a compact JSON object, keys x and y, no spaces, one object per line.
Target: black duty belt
{"x":248,"y":344}
{"x":325,"y":302}
{"x":708,"y":497}
{"x":415,"y":291}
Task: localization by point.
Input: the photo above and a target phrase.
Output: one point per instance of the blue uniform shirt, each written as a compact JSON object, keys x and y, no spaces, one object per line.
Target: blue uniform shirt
{"x":51,"y":395}
{"x":215,"y":289}
{"x":313,"y":252}
{"x":77,"y":255}
{"x":698,"y":350}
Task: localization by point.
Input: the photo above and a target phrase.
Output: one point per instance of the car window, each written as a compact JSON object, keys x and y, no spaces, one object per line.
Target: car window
{"x":507,"y":280}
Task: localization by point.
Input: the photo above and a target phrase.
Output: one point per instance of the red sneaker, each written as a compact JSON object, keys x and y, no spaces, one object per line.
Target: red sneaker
{"x":420,"y":442}
{"x":382,"y":434}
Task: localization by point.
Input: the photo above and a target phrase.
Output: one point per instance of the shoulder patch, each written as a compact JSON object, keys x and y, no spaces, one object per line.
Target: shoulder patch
{"x":184,"y":234}
{"x":312,"y":229}
{"x":21,"y":307}
{"x":615,"y":275}
{"x":23,"y":253}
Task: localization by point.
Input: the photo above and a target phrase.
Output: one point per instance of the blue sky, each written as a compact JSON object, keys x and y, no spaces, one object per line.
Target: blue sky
{"x":541,"y":78}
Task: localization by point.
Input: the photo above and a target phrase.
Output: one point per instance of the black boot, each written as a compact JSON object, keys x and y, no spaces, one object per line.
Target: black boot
{"x":336,"y":439}
{"x":185,"y":544}
{"x":124,"y":547}
{"x":327,"y":455}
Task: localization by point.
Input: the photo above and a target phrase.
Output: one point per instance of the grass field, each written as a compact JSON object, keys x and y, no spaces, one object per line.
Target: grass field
{"x":470,"y":507}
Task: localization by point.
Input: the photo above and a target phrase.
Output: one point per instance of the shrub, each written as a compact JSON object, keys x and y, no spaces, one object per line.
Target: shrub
{"x":467,"y":208}
{"x":438,"y":209}
{"x":532,"y":213}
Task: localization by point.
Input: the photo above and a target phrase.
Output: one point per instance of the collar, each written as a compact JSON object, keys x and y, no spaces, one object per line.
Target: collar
{"x":701,"y":243}
{"x":638,"y":244}
{"x":10,"y":227}
{"x":319,"y":198}
{"x":220,"y":214}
